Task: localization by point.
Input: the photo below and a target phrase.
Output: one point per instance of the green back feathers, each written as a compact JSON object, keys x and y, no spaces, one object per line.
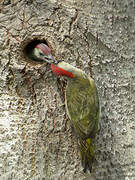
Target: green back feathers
{"x":83,"y":105}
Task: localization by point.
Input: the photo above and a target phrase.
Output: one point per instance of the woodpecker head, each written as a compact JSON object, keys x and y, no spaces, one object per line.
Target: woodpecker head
{"x":64,"y":69}
{"x":61,"y":69}
{"x":43,"y":52}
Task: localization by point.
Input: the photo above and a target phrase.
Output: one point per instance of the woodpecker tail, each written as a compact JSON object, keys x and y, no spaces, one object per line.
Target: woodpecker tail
{"x":87,"y":148}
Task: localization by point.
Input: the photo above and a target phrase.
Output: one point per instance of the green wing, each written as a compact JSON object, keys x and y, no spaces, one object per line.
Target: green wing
{"x":83,"y":106}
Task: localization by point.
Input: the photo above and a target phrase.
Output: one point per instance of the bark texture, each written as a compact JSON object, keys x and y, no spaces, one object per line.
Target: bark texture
{"x":36,"y":139}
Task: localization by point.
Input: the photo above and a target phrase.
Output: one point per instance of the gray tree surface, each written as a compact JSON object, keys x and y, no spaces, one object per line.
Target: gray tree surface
{"x":36,"y":138}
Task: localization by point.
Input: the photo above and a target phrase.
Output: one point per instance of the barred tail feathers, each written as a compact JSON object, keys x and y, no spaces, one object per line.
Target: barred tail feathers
{"x":87,"y":148}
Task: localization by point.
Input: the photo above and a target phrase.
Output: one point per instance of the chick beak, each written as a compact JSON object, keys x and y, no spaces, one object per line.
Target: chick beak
{"x":50,"y":59}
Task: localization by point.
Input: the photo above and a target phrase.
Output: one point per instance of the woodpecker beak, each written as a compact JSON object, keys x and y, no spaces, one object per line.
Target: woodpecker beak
{"x":50,"y":59}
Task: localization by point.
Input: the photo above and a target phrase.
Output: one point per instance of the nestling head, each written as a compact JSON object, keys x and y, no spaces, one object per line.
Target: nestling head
{"x":43,"y":52}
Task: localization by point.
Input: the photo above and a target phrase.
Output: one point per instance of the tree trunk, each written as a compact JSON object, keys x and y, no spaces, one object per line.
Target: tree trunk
{"x":36,"y":138}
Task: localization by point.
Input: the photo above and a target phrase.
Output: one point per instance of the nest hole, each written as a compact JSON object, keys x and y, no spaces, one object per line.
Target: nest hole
{"x":29,"y":47}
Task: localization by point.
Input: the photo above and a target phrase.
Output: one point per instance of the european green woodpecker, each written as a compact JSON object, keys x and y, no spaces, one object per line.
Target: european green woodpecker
{"x":82,"y":106}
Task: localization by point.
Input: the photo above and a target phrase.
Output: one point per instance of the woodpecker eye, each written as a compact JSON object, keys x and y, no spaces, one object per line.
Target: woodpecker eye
{"x":41,"y":54}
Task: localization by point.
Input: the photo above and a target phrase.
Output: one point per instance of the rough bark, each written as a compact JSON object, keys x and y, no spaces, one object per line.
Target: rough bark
{"x":36,"y":139}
